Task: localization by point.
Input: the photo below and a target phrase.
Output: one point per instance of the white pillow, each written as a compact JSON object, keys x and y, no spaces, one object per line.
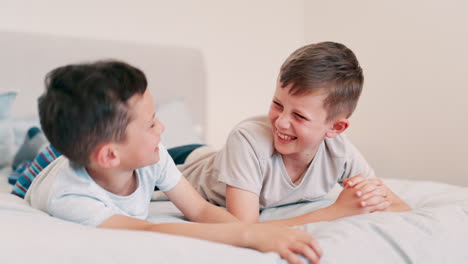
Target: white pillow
{"x":180,"y":128}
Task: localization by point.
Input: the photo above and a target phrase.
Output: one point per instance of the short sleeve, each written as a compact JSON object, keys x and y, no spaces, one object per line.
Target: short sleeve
{"x":168,"y":175}
{"x":79,"y":208}
{"x":355,"y":163}
{"x":239,"y":164}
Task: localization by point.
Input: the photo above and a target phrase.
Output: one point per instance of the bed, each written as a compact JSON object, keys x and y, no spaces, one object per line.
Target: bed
{"x":436,"y":231}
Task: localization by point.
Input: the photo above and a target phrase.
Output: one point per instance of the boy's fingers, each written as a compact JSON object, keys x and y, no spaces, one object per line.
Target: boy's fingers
{"x":315,"y":245}
{"x":372,"y":201}
{"x":377,"y":182}
{"x":376,"y":204}
{"x":369,"y":188}
{"x":365,"y":189}
{"x":369,"y":181}
{"x":305,"y":250}
{"x":381,"y":206}
{"x":377,"y":192}
{"x":354,"y":180}
{"x":290,"y":257}
{"x":310,"y":241}
{"x":345,"y":181}
{"x":308,"y":246}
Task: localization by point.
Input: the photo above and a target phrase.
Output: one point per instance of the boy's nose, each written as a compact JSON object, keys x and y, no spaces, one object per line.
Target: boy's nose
{"x":282,"y":122}
{"x":161,"y":127}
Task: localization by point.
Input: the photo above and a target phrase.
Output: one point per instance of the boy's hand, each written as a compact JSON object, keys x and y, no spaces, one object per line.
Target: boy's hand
{"x":353,"y":181}
{"x":372,"y":192}
{"x":365,"y":197}
{"x":283,"y":240}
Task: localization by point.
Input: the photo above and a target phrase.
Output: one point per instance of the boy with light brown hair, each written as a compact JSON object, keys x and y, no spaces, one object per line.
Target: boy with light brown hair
{"x":298,"y":152}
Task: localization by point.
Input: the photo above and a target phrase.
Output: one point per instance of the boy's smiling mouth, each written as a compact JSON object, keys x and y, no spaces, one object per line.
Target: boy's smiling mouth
{"x":284,"y":137}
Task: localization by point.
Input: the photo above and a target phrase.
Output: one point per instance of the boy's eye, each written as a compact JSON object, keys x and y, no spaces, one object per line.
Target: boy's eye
{"x":277,"y":104}
{"x":301,"y":116}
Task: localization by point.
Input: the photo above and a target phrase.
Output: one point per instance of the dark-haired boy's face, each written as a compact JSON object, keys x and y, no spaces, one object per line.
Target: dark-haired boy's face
{"x":298,"y":122}
{"x":143,"y":134}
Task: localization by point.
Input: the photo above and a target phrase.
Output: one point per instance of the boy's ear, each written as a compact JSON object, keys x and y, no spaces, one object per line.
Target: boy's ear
{"x":338,"y":127}
{"x":105,"y":155}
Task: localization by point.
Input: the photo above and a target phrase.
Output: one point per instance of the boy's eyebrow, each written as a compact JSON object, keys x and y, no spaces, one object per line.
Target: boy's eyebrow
{"x":302,"y":112}
{"x":295,"y":110}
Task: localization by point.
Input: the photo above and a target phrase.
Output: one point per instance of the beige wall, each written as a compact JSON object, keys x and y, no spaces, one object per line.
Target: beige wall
{"x":243,"y":41}
{"x":412,"y":120}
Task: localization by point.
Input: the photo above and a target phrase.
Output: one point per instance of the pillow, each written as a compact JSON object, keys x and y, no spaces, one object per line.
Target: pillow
{"x":180,"y":128}
{"x":21,"y":127}
{"x":7,"y":139}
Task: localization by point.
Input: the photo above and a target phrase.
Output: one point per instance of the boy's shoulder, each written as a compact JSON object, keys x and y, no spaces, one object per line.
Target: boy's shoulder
{"x":42,"y":187}
{"x":255,"y":124}
{"x":57,"y":179}
{"x":256,"y":132}
{"x":339,"y":146}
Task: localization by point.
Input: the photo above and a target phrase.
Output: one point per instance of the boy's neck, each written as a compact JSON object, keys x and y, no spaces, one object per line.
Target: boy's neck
{"x":119,"y":182}
{"x":296,"y":165}
{"x":301,"y":159}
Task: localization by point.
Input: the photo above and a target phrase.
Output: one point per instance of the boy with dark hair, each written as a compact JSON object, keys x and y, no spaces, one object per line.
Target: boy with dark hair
{"x":298,"y":152}
{"x":101,"y":117}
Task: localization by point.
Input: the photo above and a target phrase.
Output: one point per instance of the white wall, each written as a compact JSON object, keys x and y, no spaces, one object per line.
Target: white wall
{"x":412,"y":120}
{"x":244,"y":42}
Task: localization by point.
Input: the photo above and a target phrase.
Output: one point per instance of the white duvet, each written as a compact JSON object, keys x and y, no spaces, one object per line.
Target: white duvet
{"x":436,"y":231}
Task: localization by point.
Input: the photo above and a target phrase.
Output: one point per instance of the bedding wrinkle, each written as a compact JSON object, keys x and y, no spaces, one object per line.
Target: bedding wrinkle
{"x":420,"y":219}
{"x":393,"y":243}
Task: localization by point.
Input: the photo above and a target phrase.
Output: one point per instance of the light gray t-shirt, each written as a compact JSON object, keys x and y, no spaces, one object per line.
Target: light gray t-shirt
{"x":71,"y":194}
{"x":250,"y":162}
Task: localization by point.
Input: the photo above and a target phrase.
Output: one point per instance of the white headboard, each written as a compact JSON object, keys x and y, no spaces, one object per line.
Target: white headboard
{"x":172,"y":72}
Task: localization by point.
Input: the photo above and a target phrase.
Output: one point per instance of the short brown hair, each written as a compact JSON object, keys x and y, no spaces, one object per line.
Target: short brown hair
{"x":325,"y":66}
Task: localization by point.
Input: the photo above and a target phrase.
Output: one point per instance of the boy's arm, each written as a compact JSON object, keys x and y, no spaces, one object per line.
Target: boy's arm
{"x":365,"y":186}
{"x":359,"y":196}
{"x":348,"y":203}
{"x":194,"y":207}
{"x":262,"y":237}
{"x":242,"y":204}
{"x":245,"y":206}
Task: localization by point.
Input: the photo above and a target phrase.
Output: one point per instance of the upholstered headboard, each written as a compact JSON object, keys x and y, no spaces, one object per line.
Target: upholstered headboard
{"x":172,"y":72}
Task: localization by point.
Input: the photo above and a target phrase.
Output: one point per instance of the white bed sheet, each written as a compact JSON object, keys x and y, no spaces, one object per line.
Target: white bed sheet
{"x":30,"y":236}
{"x":436,"y":231}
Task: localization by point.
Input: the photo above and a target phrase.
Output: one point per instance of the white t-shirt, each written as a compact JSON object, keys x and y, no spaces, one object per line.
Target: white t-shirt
{"x":250,"y":162}
{"x":71,"y":194}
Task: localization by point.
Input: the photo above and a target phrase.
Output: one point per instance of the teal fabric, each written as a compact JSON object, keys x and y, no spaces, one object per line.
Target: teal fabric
{"x":179,"y":154}
{"x":7,"y":139}
{"x":6,"y":102}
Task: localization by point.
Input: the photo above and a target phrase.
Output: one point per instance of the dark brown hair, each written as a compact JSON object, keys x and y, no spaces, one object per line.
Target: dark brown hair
{"x":86,"y":104}
{"x":329,"y":67}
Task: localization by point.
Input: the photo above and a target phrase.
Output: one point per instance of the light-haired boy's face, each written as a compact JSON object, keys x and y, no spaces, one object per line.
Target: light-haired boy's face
{"x":143,"y":134}
{"x":298,"y":122}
